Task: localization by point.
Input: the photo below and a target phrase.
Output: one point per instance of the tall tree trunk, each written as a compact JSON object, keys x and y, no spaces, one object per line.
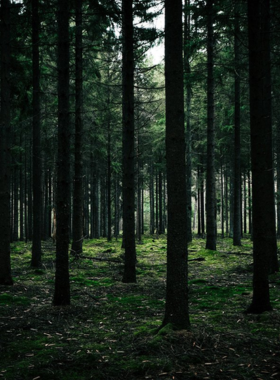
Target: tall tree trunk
{"x":244,"y":204}
{"x":176,"y":306}
{"x":237,"y":170}
{"x":187,"y":67}
{"x":160,"y":225}
{"x":222,"y":203}
{"x":109,"y":180}
{"x":278,"y":179}
{"x":15,"y":208}
{"x":5,"y":131}
{"x":264,"y":234}
{"x":37,"y":165}
{"x":152,"y":199}
{"x":77,"y":243}
{"x":21,"y":196}
{"x":211,"y":229}
{"x":129,"y":274}
{"x":250,"y":203}
{"x":198,"y":203}
{"x":202,"y":203}
{"x":117,"y":207}
{"x":62,"y":284}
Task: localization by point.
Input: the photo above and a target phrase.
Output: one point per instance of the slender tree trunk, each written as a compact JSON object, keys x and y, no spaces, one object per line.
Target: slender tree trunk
{"x":152,"y":199}
{"x":278,"y":178}
{"x":21,"y":196}
{"x":62,"y":284}
{"x":77,"y":243}
{"x":15,"y":208}
{"x":250,"y":203}
{"x":202,"y":206}
{"x":5,"y":131}
{"x":117,"y":207}
{"x":176,"y":307}
{"x":160,"y":226}
{"x":37,"y":164}
{"x":210,"y":175}
{"x":198,"y":203}
{"x":109,"y":180}
{"x":226,"y":201}
{"x":222,"y":203}
{"x":264,"y":234}
{"x":245,"y":204}
{"x":30,"y":198}
{"x":128,"y":143}
{"x":187,"y":67}
{"x":237,"y":171}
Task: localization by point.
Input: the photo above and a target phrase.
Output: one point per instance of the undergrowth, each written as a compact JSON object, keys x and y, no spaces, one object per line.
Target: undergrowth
{"x":110,"y":331}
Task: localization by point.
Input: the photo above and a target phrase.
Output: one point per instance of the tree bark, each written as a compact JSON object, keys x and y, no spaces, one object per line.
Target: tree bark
{"x":237,"y":170}
{"x":176,"y":306}
{"x":187,"y":68}
{"x":36,"y":128}
{"x":264,"y":234}
{"x":210,"y":175}
{"x":62,"y":285}
{"x":77,"y":243}
{"x":129,"y":274}
{"x":5,"y":159}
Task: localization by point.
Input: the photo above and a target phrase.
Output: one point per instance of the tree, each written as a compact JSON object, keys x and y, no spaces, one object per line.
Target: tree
{"x":5,"y":131}
{"x":62,"y":286}
{"x":187,"y":68}
{"x":128,"y":143}
{"x":176,"y":306}
{"x":77,"y":243}
{"x":210,"y":174}
{"x":264,"y":234}
{"x":37,"y":167}
{"x":237,"y":169}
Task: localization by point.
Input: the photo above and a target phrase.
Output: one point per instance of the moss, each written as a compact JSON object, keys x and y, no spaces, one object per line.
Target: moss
{"x":11,"y":300}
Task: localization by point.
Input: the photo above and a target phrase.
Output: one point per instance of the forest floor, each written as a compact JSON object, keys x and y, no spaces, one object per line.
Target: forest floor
{"x":110,"y":331}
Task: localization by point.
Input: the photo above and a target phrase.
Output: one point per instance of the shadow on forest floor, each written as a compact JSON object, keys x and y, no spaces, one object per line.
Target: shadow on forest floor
{"x":109,"y":331}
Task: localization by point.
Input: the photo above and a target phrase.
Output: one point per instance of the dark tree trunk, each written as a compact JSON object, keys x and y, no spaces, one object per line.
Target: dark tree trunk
{"x":210,"y":175}
{"x":152,"y":199}
{"x":86,"y":207}
{"x":250,"y":230}
{"x":160,"y":226}
{"x":77,"y":243}
{"x":36,"y":129}
{"x":109,"y":180}
{"x":15,"y":208}
{"x":237,"y":170}
{"x":222,"y":203}
{"x":138,"y":181}
{"x":62,"y":285}
{"x":95,"y":214}
{"x":202,"y":207}
{"x":264,"y":234}
{"x":278,"y":178}
{"x":128,"y":143}
{"x":176,"y":307}
{"x":30,"y":198}
{"x":117,"y":207}
{"x":157,"y":203}
{"x":198,"y":204}
{"x":21,"y":196}
{"x":187,"y":67}
{"x":245,"y":205}
{"x":5,"y":131}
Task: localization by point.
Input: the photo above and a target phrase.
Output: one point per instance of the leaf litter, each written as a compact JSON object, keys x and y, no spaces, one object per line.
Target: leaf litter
{"x":110,"y":331}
